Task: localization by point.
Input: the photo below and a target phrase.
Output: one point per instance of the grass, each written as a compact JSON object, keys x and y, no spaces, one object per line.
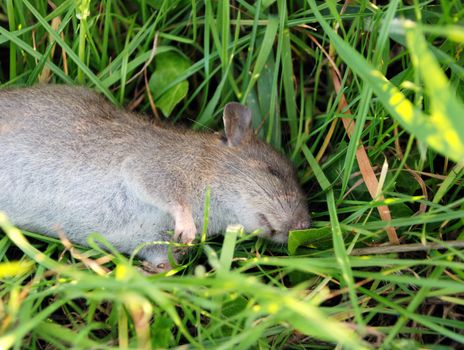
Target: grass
{"x":365,"y":98}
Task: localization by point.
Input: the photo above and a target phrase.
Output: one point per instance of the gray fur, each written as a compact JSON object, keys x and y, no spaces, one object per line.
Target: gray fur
{"x":71,"y":161}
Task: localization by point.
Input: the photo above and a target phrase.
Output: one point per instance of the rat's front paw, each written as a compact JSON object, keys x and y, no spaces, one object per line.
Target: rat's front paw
{"x":185,"y":229}
{"x":185,"y":233}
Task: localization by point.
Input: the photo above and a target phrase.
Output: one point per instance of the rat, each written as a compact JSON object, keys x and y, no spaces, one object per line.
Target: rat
{"x":72,"y":162}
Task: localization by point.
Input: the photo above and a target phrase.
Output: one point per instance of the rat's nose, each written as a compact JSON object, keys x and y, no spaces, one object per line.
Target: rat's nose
{"x":302,"y":224}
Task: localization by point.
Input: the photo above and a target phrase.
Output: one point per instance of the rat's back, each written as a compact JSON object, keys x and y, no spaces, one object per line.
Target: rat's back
{"x":51,"y":101}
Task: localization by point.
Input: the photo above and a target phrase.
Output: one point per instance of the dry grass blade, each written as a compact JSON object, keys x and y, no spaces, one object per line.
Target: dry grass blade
{"x":365,"y":167}
{"x":403,"y":248}
{"x":45,"y":75}
{"x":362,"y":158}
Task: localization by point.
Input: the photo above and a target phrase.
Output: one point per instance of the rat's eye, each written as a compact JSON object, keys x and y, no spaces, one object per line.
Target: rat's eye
{"x":275,"y":172}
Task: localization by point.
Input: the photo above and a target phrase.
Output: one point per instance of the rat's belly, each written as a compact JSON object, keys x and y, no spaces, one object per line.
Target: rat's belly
{"x":76,"y":202}
{"x":125,"y":226}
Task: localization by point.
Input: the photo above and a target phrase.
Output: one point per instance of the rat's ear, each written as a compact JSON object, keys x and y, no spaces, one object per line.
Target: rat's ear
{"x":237,"y":123}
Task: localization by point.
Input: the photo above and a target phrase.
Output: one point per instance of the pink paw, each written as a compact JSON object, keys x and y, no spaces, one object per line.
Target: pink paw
{"x":185,"y":233}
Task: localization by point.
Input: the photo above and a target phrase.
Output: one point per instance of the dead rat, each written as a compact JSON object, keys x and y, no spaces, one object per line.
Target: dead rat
{"x":71,"y":160}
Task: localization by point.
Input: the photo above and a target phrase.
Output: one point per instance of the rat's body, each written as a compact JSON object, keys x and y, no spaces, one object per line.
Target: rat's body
{"x":71,"y":162}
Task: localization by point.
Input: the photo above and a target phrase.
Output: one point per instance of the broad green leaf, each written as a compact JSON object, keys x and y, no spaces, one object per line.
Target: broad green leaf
{"x":443,"y":130}
{"x":163,"y":337}
{"x":169,"y":66}
{"x":310,"y":238}
{"x":170,"y":99}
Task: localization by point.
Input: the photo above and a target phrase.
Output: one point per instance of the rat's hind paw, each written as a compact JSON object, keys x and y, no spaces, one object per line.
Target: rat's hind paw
{"x":150,"y":269}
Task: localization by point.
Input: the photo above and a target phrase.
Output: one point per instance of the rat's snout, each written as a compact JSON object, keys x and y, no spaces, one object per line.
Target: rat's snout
{"x":277,"y":229}
{"x":302,"y":224}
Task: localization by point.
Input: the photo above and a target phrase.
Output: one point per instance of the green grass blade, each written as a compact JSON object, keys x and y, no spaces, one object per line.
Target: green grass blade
{"x":228,"y":247}
{"x":366,"y":96}
{"x":337,"y":236}
{"x":12,"y":26}
{"x":413,"y":305}
{"x":265,"y":50}
{"x":71,"y":53}
{"x":442,"y":132}
{"x":446,"y":108}
{"x":417,"y":318}
{"x":23,"y":45}
{"x":287,"y":74}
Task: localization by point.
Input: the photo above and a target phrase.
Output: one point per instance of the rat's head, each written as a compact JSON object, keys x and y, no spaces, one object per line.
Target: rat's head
{"x":262,"y":183}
